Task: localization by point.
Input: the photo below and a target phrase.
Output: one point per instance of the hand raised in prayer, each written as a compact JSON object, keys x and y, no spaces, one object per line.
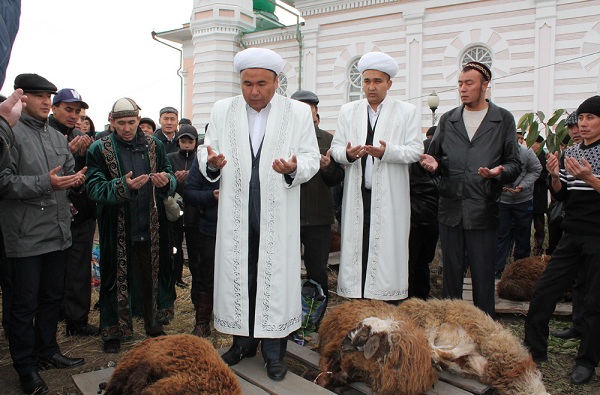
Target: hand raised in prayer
{"x":181,"y":175}
{"x":428,"y":162}
{"x":354,"y":153}
{"x":59,"y":182}
{"x":552,"y":164}
{"x":285,"y":167}
{"x":325,"y":160}
{"x":216,"y":161}
{"x":136,"y":183}
{"x":490,"y":173}
{"x":159,"y":179}
{"x":582,"y":171}
{"x":376,"y":152}
{"x":10,"y":109}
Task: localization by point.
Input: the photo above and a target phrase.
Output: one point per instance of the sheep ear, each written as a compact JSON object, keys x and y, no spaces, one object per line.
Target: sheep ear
{"x":371,"y":346}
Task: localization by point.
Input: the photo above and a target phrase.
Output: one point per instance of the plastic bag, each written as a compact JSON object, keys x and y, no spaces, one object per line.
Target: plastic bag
{"x":174,"y":207}
{"x":314,"y":302}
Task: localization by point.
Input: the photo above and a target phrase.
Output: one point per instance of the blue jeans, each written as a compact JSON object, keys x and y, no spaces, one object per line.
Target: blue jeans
{"x":515,"y":225}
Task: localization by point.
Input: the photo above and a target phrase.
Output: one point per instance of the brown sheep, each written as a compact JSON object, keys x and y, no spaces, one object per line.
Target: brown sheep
{"x":469,"y":342}
{"x":367,"y":340}
{"x":519,"y":278}
{"x":173,"y":365}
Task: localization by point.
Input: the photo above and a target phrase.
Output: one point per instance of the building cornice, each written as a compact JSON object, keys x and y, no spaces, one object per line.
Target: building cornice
{"x":269,"y":36}
{"x":319,"y":7}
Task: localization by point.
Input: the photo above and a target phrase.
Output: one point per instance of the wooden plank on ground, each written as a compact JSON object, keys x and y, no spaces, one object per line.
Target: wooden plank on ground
{"x":473,"y":386}
{"x":505,"y":306}
{"x":249,"y":388}
{"x":443,"y":388}
{"x":303,"y":354}
{"x":253,"y":370}
{"x":440,"y":388}
{"x":88,"y":382}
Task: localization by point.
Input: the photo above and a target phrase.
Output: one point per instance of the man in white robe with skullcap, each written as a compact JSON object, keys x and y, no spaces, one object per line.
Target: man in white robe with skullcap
{"x":261,"y":146}
{"x":377,"y":139}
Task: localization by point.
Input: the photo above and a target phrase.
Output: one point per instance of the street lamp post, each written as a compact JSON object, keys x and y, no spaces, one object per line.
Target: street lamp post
{"x":433,"y":101}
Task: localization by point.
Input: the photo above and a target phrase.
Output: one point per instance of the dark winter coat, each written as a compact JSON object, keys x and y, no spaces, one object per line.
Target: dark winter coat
{"x":465,"y":195}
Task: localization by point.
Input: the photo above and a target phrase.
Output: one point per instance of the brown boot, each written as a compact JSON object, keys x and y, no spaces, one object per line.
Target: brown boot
{"x":204,"y":308}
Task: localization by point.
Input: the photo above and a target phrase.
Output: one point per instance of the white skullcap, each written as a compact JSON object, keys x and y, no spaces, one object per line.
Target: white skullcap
{"x":258,"y":58}
{"x":125,"y":107}
{"x":378,"y":61}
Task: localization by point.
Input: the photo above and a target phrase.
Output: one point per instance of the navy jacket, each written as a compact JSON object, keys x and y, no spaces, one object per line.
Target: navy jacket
{"x":198,"y":192}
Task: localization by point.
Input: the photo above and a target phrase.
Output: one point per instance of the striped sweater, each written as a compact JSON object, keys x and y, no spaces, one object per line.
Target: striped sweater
{"x":582,"y":202}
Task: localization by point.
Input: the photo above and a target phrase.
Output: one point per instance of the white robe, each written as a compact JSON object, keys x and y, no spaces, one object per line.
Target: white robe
{"x":289,"y":131}
{"x":387,"y":265}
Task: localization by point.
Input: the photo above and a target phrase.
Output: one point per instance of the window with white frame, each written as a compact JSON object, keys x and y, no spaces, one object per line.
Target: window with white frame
{"x":283,"y":84}
{"x":355,"y":91}
{"x":477,"y":54}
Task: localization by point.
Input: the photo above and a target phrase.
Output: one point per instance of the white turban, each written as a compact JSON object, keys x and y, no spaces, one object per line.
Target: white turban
{"x":258,"y":58}
{"x":378,"y":61}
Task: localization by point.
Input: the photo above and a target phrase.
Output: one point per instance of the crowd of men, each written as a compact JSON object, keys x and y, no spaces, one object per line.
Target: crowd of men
{"x":256,"y":191}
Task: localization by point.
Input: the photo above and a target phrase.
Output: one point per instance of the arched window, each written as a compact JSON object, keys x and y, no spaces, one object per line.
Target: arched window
{"x":355,"y":91}
{"x":283,"y":84}
{"x":477,"y":54}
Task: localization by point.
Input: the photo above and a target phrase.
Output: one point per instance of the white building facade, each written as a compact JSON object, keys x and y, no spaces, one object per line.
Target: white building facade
{"x":544,"y":54}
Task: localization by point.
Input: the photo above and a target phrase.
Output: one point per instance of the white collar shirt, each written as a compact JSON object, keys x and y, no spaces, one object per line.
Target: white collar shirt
{"x":373,"y":116}
{"x":257,"y":125}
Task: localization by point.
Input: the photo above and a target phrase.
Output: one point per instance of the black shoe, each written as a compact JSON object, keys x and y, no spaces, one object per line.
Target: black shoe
{"x":60,"y":361}
{"x":235,"y":354}
{"x":112,"y":346}
{"x":581,"y":375}
{"x":81,"y":330}
{"x":539,"y":358}
{"x":156,"y":334}
{"x":181,"y":284}
{"x":276,"y":369}
{"x":570,"y":333}
{"x":32,"y":383}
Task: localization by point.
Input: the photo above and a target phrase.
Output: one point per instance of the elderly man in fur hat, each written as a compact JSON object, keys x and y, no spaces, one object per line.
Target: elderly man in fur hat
{"x":129,"y":176}
{"x":376,"y":140}
{"x":261,"y":146}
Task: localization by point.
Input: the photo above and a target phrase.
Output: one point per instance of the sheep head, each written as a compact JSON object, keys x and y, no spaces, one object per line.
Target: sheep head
{"x":371,"y":336}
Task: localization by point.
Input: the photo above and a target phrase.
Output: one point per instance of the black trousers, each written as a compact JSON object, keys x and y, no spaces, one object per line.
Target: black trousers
{"x":5,"y":284}
{"x":574,"y":254}
{"x":38,"y":285}
{"x":78,"y":286}
{"x":201,"y":260}
{"x":539,"y":232}
{"x":480,"y":246}
{"x":272,"y":348}
{"x":366,"y":196}
{"x":317,"y":241}
{"x":177,"y":234}
{"x":421,"y":251}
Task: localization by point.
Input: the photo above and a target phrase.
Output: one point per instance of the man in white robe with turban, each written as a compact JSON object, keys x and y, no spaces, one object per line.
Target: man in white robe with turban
{"x":377,"y":139}
{"x":261,"y":146}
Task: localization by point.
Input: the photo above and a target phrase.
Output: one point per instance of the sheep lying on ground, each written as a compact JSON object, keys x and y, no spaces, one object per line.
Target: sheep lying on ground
{"x":519,"y":278}
{"x":367,"y":340}
{"x":469,"y":342}
{"x":173,"y":365}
